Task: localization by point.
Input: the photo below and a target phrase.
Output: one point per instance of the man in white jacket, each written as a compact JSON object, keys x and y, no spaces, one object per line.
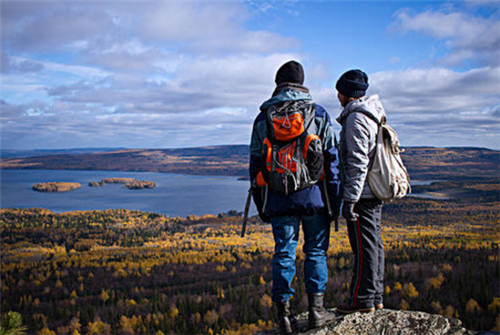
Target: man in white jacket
{"x":362,"y":209}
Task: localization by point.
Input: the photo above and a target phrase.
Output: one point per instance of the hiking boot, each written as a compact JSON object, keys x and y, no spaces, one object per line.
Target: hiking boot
{"x":284,"y":323}
{"x":379,"y":306}
{"x":348,"y":309}
{"x":318,"y":315}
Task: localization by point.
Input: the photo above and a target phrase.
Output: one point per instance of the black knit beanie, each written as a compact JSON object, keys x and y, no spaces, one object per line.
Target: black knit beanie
{"x":290,"y":72}
{"x":353,"y":84}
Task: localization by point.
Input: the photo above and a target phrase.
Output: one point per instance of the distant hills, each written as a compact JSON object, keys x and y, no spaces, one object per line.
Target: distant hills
{"x":232,"y":160}
{"x":8,"y":153}
{"x":218,"y":160}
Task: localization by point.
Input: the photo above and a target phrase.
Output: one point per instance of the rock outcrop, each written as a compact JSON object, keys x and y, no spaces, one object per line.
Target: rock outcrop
{"x":383,"y":322}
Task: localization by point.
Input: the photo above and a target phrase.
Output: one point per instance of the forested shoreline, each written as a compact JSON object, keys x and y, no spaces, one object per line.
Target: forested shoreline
{"x":132,"y":272}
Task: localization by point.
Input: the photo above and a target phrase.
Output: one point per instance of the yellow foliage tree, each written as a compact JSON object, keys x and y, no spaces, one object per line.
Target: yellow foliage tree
{"x":436,"y":306}
{"x":495,"y":305}
{"x":47,"y":331}
{"x":404,"y":305}
{"x":104,"y":296}
{"x":341,"y":263}
{"x":98,"y":327}
{"x":174,"y":311}
{"x":125,"y":325}
{"x":411,"y":291}
{"x":437,"y":281}
{"x":472,"y":306}
{"x":449,"y":311}
{"x":75,"y":325}
{"x":211,"y":317}
{"x":387,"y":290}
{"x":266,"y":301}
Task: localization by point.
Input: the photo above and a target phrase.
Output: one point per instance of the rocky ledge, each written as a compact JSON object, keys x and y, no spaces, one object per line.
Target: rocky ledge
{"x":383,"y":322}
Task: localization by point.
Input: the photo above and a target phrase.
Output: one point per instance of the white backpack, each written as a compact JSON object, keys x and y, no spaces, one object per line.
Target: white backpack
{"x":388,"y":177}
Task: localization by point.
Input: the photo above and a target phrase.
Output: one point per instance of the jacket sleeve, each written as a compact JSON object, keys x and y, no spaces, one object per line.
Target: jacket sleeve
{"x":257,"y":164}
{"x":257,"y":158}
{"x":357,"y":160}
{"x":331,"y":167}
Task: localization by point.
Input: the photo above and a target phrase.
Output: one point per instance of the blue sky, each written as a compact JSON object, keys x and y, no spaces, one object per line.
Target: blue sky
{"x":166,"y":74}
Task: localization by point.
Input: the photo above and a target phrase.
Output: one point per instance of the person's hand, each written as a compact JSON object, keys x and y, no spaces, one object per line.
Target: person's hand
{"x":334,"y":215}
{"x":348,"y":211}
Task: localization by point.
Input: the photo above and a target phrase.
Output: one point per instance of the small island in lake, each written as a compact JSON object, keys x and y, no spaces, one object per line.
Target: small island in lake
{"x":130,"y":183}
{"x":55,"y":187}
{"x":140,"y":184}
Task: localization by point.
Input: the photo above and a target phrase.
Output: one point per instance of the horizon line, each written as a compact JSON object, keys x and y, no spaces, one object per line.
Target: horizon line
{"x":223,"y":145}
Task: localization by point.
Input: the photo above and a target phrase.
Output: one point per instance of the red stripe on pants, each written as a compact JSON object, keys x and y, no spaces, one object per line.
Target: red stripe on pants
{"x":360,"y":265}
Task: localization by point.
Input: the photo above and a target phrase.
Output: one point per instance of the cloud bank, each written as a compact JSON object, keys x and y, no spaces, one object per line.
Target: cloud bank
{"x":176,"y":74}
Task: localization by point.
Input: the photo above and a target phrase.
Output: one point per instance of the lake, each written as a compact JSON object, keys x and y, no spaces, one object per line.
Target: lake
{"x":174,"y":194}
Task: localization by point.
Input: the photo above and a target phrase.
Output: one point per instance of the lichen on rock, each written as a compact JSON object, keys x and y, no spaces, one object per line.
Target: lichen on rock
{"x":383,"y":322}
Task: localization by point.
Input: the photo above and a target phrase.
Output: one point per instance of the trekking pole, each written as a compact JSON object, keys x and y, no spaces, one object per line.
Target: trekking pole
{"x":328,"y":206}
{"x":245,"y":215}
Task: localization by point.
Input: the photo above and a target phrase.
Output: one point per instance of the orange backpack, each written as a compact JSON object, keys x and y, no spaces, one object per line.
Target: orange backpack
{"x":294,"y":152}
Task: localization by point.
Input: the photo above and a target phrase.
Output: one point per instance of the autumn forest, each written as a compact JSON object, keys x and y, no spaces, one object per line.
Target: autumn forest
{"x":130,"y":272}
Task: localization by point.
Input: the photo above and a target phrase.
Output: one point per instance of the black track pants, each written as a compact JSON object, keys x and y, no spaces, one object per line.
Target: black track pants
{"x":367,"y":286}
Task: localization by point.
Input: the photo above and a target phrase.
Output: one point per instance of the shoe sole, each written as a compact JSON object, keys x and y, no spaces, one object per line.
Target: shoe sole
{"x":315,"y":324}
{"x":361,"y":310}
{"x":379,"y":306}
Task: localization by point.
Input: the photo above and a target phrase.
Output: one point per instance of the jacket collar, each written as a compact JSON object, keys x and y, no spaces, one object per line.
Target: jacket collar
{"x":292,"y":86}
{"x":287,"y":92}
{"x":368,"y":105}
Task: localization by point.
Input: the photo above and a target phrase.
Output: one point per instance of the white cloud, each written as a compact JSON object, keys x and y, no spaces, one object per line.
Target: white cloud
{"x":55,"y":27}
{"x":135,"y":69}
{"x":436,"y":106}
{"x":467,"y":36}
{"x":197,"y":84}
{"x":173,"y":74}
{"x":438,"y":82}
{"x":209,"y":26}
{"x":76,"y":70}
{"x":109,"y":27}
{"x":455,"y":106}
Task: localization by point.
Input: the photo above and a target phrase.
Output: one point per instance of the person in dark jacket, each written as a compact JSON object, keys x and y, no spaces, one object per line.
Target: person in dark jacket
{"x":308,"y":206}
{"x":361,"y":208}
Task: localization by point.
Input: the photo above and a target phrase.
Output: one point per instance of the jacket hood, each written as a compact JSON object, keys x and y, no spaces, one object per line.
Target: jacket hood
{"x":370,"y":105}
{"x":286,"y":94}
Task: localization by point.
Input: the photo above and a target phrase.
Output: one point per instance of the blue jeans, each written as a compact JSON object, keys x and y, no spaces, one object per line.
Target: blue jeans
{"x":316,"y":241}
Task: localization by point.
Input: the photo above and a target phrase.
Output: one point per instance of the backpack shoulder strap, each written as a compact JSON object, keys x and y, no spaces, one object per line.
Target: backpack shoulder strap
{"x":311,"y":127}
{"x":372,"y":117}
